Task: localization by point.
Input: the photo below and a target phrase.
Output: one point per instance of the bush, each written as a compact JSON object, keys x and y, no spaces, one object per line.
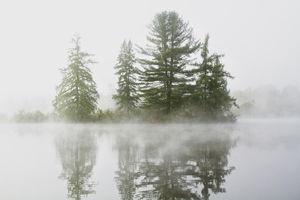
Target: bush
{"x":36,"y":116}
{"x":104,"y":116}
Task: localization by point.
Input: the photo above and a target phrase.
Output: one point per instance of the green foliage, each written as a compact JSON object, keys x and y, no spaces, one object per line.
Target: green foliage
{"x":164,"y":75}
{"x":168,"y":90}
{"x":77,"y":95}
{"x":104,"y":116}
{"x":211,"y":94}
{"x":36,"y":116}
{"x":127,"y":97}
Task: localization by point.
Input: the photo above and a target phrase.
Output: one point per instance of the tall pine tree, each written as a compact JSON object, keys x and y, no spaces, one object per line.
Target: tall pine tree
{"x":127,"y":97}
{"x":211,"y":96}
{"x":164,"y":75}
{"x":77,"y":94}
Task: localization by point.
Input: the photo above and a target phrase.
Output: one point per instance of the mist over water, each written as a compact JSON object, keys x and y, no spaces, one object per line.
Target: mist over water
{"x":252,"y":159}
{"x":258,"y":157}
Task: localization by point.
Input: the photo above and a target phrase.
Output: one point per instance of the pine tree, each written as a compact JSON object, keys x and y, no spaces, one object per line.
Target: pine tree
{"x":164,"y":75}
{"x":211,"y":94}
{"x":203,"y":73}
{"x":220,"y":101}
{"x":127,"y":97}
{"x":77,"y":95}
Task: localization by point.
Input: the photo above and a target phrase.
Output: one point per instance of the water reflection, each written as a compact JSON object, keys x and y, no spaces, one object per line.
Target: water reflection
{"x":77,"y":152}
{"x":173,"y":164}
{"x":151,"y":161}
{"x":128,"y":166}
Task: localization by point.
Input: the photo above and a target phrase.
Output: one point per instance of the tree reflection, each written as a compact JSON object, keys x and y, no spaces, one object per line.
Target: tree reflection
{"x":209,"y":160}
{"x":174,"y":165}
{"x":77,"y":152}
{"x":127,"y":173}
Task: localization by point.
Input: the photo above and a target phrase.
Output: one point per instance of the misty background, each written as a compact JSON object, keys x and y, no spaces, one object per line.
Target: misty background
{"x":260,"y":40}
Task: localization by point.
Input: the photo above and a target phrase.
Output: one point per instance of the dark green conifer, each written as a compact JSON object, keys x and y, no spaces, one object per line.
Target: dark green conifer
{"x":211,"y":96}
{"x":77,"y":95}
{"x":126,"y":97}
{"x":220,"y":101}
{"x":164,"y":71}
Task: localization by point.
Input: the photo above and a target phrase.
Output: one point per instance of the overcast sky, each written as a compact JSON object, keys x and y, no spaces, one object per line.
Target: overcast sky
{"x":260,"y":39}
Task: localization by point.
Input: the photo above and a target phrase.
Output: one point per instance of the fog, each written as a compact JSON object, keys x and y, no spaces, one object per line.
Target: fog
{"x":260,"y":40}
{"x":255,"y":158}
{"x":268,"y":102}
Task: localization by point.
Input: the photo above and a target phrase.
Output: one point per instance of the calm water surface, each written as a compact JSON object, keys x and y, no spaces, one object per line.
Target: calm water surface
{"x":252,"y":159}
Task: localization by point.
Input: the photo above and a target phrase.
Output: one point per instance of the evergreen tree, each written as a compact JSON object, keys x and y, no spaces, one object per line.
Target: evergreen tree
{"x":203,"y":73}
{"x":164,"y":75}
{"x":127,"y":97}
{"x":211,"y":94}
{"x":220,"y":101}
{"x":77,"y":95}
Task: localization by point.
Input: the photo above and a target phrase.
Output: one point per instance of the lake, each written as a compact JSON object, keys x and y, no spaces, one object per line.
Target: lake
{"x":251,"y":159}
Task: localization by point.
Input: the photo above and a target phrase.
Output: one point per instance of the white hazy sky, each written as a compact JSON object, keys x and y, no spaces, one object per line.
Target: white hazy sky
{"x":260,"y":39}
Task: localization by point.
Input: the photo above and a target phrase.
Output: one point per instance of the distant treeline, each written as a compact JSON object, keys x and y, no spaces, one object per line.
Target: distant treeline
{"x":268,"y":101}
